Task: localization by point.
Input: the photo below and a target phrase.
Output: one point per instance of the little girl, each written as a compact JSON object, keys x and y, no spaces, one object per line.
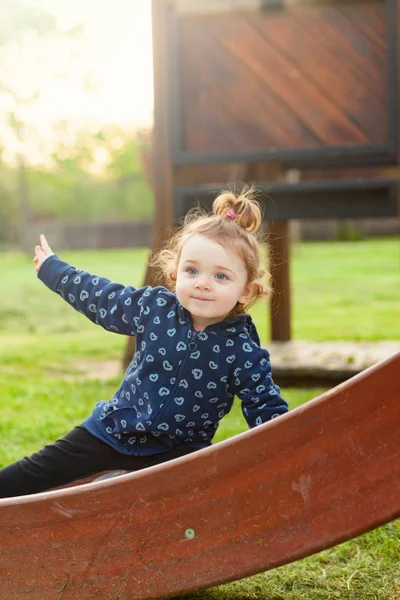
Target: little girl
{"x":196,"y":349}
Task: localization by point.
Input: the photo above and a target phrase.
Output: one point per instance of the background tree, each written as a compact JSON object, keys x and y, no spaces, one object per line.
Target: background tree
{"x":30,"y":42}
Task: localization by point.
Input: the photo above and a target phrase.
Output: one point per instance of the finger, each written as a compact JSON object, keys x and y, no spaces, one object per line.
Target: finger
{"x":35,"y":260}
{"x":44,"y":244}
{"x":39,"y":251}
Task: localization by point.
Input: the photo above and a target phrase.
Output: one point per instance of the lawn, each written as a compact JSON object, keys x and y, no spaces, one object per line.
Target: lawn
{"x":340,"y":291}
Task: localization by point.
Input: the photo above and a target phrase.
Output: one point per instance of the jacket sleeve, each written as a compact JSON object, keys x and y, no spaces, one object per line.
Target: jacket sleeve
{"x":260,"y":396}
{"x":113,"y":306}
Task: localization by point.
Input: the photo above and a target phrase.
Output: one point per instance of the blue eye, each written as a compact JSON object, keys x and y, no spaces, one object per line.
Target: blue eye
{"x":221,"y":276}
{"x":192,"y":271}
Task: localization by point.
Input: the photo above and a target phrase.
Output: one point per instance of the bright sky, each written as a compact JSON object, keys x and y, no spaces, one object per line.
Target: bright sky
{"x":117,"y":51}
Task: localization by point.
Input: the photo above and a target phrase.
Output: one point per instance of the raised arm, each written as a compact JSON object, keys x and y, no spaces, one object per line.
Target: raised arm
{"x":113,"y":306}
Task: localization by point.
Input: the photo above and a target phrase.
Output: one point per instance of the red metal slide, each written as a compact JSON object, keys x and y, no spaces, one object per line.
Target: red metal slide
{"x":322,"y":474}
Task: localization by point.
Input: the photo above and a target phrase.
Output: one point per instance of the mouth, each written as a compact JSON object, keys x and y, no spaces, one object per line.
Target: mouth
{"x":201,"y":299}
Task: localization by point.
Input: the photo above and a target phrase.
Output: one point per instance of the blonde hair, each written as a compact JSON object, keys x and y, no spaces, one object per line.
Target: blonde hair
{"x":239,"y":233}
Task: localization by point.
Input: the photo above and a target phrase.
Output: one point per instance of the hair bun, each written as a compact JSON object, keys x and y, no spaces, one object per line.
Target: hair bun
{"x":244,"y":204}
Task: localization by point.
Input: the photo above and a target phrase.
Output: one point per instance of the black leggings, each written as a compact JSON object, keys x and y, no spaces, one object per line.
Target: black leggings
{"x":75,"y":456}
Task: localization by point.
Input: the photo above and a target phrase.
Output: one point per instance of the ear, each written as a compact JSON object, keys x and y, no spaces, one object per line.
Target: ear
{"x":248,"y":291}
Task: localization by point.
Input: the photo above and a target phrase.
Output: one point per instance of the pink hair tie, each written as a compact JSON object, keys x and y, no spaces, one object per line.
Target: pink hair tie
{"x":231,"y":213}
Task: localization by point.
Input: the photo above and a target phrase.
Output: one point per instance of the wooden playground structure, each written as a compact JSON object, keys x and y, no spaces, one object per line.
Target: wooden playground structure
{"x":317,"y":476}
{"x":300,"y":98}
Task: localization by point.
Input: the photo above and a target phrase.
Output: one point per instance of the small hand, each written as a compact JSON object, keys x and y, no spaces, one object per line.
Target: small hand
{"x":42,"y":252}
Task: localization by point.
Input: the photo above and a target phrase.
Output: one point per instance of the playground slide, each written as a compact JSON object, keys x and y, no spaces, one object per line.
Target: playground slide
{"x":320,"y":475}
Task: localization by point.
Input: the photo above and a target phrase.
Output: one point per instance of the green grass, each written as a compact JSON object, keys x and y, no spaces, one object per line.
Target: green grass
{"x":340,"y":291}
{"x":344,"y":291}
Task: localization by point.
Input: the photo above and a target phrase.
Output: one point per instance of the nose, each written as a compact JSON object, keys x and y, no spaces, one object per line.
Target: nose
{"x":202,"y":284}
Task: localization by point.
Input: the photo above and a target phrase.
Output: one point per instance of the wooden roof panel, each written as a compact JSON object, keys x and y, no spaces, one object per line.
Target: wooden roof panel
{"x":305,"y":77}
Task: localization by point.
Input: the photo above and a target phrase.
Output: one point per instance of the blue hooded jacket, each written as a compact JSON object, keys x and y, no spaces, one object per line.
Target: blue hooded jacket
{"x":181,"y":382}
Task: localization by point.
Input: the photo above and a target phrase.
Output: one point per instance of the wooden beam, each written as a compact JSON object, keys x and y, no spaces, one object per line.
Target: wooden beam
{"x":162,"y":178}
{"x":199,"y":7}
{"x":161,"y":157}
{"x":280,"y":305}
{"x":279,"y":257}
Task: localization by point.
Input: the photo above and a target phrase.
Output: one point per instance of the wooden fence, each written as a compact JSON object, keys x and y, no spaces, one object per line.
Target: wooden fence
{"x":73,"y":236}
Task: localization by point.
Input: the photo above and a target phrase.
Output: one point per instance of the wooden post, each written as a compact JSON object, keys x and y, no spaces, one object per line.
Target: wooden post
{"x":161,"y":158}
{"x":279,"y":258}
{"x":280,"y":305}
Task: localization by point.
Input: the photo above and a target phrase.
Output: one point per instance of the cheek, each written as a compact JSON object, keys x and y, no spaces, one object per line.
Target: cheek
{"x":230,"y":295}
{"x":181,"y":286}
{"x":178,"y":286}
{"x":226,"y":294}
